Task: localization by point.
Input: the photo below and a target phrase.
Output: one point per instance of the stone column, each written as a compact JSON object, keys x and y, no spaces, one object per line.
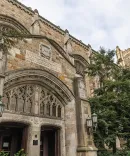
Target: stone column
{"x":70,"y":129}
{"x":79,"y":92}
{"x":84,"y":148}
{"x":3,"y":63}
{"x":2,"y":78}
{"x":33,"y":148}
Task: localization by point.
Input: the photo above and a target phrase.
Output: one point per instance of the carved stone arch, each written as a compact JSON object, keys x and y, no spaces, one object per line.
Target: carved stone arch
{"x":80,"y":64}
{"x":41,"y":77}
{"x":11,"y":25}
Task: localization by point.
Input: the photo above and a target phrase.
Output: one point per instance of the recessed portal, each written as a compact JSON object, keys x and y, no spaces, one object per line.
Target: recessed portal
{"x":12,"y":137}
{"x":50,"y":141}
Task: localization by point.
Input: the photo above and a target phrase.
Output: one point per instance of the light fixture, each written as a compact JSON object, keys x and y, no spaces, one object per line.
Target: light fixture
{"x":1,"y":107}
{"x":91,"y":123}
{"x":94,"y":118}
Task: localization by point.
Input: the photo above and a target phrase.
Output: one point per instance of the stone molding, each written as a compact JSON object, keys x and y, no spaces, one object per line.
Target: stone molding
{"x":41,"y":77}
{"x":11,"y":22}
{"x":80,"y":59}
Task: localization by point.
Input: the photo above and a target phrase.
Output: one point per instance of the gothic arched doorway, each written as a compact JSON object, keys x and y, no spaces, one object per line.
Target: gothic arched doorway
{"x":13,"y":137}
{"x":50,"y":141}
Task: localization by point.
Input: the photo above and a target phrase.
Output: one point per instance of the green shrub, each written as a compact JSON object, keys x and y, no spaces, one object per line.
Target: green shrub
{"x":2,"y":153}
{"x":118,"y":153}
{"x":19,"y":153}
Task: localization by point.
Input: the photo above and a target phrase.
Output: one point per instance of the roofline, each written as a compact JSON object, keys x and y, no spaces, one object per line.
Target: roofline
{"x":31,"y":12}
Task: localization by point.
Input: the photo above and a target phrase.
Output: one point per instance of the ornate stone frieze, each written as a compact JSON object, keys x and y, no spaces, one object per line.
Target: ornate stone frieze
{"x":32,"y":57}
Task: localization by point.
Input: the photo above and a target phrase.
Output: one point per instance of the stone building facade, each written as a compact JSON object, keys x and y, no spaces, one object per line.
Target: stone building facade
{"x":123,"y":57}
{"x":45,"y":87}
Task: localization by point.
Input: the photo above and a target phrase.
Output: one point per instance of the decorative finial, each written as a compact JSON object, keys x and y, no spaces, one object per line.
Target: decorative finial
{"x":117,"y":48}
{"x":89,"y":45}
{"x":36,"y":11}
{"x":66,"y":31}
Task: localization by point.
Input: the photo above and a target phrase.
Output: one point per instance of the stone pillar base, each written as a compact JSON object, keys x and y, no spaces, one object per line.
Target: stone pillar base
{"x":86,"y":151}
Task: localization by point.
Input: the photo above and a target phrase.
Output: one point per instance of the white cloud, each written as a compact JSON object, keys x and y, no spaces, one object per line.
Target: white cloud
{"x":97,"y":22}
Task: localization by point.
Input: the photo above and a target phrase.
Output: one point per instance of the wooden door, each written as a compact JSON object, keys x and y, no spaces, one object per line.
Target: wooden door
{"x":24,"y":139}
{"x":50,"y":142}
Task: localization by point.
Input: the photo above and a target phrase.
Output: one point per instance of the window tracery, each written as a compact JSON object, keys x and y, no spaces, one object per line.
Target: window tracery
{"x":22,"y":99}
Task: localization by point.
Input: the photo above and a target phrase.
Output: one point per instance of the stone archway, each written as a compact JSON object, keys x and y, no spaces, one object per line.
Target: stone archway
{"x":50,"y":141}
{"x":10,"y":25}
{"x":57,"y":91}
{"x":41,"y":77}
{"x":13,"y":137}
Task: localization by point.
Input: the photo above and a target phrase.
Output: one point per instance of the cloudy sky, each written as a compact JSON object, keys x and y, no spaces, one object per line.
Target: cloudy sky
{"x":97,"y":22}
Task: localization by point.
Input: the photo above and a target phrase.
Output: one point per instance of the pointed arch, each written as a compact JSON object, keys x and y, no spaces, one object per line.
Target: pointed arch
{"x":41,"y":77}
{"x":9,"y":24}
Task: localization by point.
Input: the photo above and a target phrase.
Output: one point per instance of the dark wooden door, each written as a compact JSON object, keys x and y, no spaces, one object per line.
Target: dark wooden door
{"x":50,"y":142}
{"x":13,"y":139}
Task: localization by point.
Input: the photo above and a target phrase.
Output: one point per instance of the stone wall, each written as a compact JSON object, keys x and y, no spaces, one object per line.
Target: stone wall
{"x":123,"y":57}
{"x":52,"y":52}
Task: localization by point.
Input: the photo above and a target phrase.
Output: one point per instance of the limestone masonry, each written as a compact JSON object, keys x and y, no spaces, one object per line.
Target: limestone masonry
{"x":45,"y":87}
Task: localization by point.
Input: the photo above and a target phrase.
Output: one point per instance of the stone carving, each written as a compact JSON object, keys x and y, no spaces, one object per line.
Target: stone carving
{"x":32,"y":57}
{"x":2,"y":56}
{"x":80,"y":63}
{"x":82,"y":90}
{"x":11,"y":24}
{"x":22,"y":99}
{"x":89,"y":50}
{"x":42,"y":77}
{"x":35,"y":27}
{"x":67,"y":43}
{"x":45,"y":51}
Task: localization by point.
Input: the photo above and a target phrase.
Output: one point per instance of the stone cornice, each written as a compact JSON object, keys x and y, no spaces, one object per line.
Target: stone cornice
{"x":21,"y":6}
{"x":45,"y":21}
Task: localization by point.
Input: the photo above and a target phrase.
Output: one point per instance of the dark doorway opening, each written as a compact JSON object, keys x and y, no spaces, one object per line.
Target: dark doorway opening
{"x":50,"y":141}
{"x":13,"y":137}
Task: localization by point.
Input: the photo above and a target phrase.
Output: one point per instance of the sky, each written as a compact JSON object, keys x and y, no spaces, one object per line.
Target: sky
{"x":100,"y":23}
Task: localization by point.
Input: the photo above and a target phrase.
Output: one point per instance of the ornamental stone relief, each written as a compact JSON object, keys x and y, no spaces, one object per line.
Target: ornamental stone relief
{"x":42,"y":61}
{"x":45,"y":51}
{"x":22,"y":99}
